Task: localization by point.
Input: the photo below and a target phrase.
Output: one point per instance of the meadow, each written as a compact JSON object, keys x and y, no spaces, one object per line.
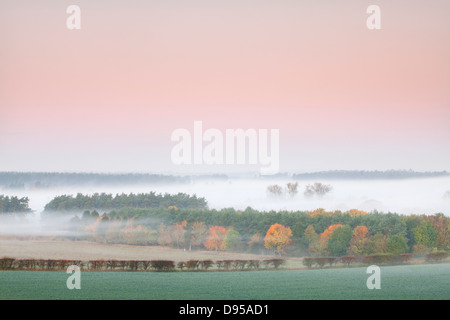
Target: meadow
{"x":416,"y":282}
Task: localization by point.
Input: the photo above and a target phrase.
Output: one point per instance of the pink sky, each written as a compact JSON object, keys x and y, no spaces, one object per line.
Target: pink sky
{"x":108,"y":96}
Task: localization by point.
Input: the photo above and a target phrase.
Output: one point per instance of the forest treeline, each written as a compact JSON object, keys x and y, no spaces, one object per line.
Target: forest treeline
{"x":107,"y":201}
{"x":13,"y":204}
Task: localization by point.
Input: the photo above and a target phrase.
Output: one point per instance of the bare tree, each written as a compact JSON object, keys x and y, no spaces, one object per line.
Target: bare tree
{"x":275,"y":190}
{"x":292,"y":188}
{"x":319,"y":189}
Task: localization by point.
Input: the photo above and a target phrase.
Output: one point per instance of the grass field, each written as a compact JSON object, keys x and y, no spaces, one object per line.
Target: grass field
{"x":426,"y":281}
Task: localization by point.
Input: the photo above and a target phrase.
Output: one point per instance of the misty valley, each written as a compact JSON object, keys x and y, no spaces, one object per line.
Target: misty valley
{"x":267,"y":217}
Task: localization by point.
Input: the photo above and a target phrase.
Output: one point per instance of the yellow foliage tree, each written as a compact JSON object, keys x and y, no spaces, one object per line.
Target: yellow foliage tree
{"x":277,"y":237}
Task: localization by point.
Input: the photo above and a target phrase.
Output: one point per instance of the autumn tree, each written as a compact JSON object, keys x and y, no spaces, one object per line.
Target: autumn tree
{"x":320,"y":212}
{"x":177,"y":232}
{"x":215,"y":237}
{"x":442,"y":225}
{"x":313,"y":240}
{"x":356,"y":212}
{"x":359,"y":241}
{"x":197,"y":232}
{"x":310,"y":233}
{"x":277,"y":238}
{"x":326,"y":234}
{"x":425,"y":234}
{"x":379,"y":243}
{"x":324,"y":238}
{"x":92,"y":229}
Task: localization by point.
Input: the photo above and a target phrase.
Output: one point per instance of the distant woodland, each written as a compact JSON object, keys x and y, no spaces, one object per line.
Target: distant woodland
{"x":40,"y":180}
{"x":390,"y":174}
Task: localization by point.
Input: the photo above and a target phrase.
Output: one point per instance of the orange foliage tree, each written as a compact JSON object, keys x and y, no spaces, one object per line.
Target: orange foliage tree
{"x":360,"y":232}
{"x":214,"y":239}
{"x":320,"y":212}
{"x":91,"y":230}
{"x":278,"y":237}
{"x":356,"y":212}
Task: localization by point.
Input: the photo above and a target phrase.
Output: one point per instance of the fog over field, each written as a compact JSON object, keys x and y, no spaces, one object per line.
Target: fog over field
{"x":404,"y":196}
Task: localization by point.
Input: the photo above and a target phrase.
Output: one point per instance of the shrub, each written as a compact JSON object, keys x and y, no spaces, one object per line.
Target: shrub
{"x":378,"y":258}
{"x":227,"y":264}
{"x":404,"y":257}
{"x":347,"y":260}
{"x":51,"y":264}
{"x":63,"y":264}
{"x":133,"y":265}
{"x":321,"y":261}
{"x":181,"y":265}
{"x":111,"y":264}
{"x":308,"y":262}
{"x":97,"y":264}
{"x":332,"y":260}
{"x":239,"y":264}
{"x":205,"y":264}
{"x":6,"y":263}
{"x":276,"y":263}
{"x":123,"y":264}
{"x":220,"y":264}
{"x":163,"y":265}
{"x":192,"y":264}
{"x":145,"y":264}
{"x":22,"y":264}
{"x":253,"y":264}
{"x":266,"y":263}
{"x":436,"y":256}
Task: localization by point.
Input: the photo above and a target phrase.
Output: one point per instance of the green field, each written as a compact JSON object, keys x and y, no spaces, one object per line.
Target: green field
{"x":431,"y":281}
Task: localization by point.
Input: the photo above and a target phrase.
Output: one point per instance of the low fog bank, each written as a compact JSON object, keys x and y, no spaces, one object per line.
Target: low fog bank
{"x":32,"y":225}
{"x":411,"y":196}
